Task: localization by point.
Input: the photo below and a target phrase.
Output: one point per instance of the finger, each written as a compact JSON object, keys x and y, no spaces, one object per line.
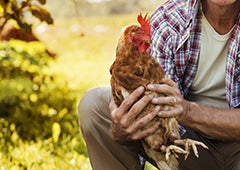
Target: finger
{"x":128,"y":102}
{"x":162,"y":88}
{"x":169,"y":82}
{"x":146,"y":132}
{"x":174,"y":112}
{"x":135,"y":110}
{"x":143,"y":121}
{"x":114,"y":116}
{"x":113,"y":110}
{"x":169,"y":100}
{"x":112,"y":105}
{"x":130,"y":99}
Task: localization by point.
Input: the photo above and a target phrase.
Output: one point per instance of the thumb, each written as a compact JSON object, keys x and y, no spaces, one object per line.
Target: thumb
{"x":112,"y":105}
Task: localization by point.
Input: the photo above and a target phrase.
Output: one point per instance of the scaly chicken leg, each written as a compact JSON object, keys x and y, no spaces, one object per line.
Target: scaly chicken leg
{"x":159,"y":157}
{"x":189,"y":143}
{"x":172,"y":149}
{"x":169,"y":153}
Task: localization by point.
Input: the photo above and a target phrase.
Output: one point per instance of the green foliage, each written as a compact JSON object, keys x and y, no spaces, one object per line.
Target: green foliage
{"x":38,"y":121}
{"x":15,"y":10}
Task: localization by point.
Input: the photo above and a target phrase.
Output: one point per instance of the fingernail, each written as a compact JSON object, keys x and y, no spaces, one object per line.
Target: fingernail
{"x":140,"y":89}
{"x":159,"y":113}
{"x":155,"y":100}
{"x":157,"y":108}
{"x":150,"y":86}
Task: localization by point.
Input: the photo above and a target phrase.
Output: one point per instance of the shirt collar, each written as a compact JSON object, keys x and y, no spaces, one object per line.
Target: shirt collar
{"x":192,"y":7}
{"x":193,"y":10}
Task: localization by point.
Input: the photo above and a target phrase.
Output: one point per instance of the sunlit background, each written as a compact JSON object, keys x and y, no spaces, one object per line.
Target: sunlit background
{"x":39,"y":93}
{"x":85,"y":36}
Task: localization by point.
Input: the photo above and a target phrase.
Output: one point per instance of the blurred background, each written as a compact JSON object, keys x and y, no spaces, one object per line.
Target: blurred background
{"x":51,"y":53}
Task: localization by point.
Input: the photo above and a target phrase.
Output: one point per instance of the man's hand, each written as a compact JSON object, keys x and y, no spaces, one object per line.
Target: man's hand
{"x":172,"y":97}
{"x":126,"y":127}
{"x":216,"y":122}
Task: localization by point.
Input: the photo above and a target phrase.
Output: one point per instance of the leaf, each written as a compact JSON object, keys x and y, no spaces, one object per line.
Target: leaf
{"x":43,"y":2}
{"x":41,"y":13}
{"x":14,"y":136}
{"x":62,"y":113}
{"x":33,"y":97}
{"x":56,"y":130}
{"x":1,"y":9}
{"x":21,"y":23}
{"x":24,"y":4}
{"x":4,"y":3}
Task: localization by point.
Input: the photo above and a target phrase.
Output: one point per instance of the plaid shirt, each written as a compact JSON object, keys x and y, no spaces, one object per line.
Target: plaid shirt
{"x":176,"y":37}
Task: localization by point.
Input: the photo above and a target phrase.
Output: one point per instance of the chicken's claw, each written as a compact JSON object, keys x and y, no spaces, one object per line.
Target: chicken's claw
{"x":189,"y":143}
{"x":172,"y":149}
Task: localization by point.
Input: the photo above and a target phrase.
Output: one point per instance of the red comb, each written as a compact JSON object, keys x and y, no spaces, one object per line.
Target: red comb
{"x":145,"y":23}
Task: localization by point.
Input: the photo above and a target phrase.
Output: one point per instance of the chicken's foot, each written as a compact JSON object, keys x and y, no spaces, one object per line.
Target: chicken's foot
{"x":189,"y":143}
{"x":172,"y":149}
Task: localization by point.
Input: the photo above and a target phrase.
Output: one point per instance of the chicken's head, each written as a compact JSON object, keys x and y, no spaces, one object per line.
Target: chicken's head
{"x":141,"y":36}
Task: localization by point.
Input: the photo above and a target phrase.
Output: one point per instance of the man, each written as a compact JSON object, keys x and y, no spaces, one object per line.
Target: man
{"x":198,"y":44}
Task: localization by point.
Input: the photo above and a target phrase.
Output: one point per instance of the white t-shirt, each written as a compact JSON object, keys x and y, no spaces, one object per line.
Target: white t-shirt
{"x":208,"y":87}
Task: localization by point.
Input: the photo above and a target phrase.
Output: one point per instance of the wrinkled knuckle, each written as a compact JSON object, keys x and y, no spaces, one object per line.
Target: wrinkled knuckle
{"x":146,"y":99}
{"x":128,"y":131}
{"x":178,"y":90}
{"x":126,"y":103}
{"x":114,"y":114}
{"x":158,"y":99}
{"x":111,"y":105}
{"x":181,"y":110}
{"x":135,"y":110}
{"x":173,"y":100}
{"x":169,"y":88}
{"x":123,"y":123}
{"x":152,"y":114}
{"x":141,"y":123}
{"x":114,"y":121}
{"x":165,"y":86}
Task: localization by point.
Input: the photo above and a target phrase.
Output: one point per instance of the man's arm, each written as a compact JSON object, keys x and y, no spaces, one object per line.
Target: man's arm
{"x":223,"y":124}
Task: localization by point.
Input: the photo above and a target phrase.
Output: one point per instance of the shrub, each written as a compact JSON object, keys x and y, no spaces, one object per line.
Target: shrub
{"x":38,"y":111}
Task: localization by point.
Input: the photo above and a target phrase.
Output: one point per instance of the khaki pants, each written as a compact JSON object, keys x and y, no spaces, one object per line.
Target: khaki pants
{"x":106,"y":154}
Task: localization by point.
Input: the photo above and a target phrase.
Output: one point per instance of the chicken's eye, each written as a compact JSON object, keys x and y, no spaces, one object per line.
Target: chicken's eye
{"x":139,"y":33}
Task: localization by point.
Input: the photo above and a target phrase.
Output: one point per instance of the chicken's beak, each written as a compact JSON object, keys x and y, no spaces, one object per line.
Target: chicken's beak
{"x":148,"y":40}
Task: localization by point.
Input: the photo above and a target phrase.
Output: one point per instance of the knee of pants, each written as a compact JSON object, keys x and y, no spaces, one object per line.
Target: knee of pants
{"x":94,"y":104}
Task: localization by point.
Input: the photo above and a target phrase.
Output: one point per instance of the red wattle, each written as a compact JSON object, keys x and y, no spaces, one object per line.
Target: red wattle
{"x":143,"y":47}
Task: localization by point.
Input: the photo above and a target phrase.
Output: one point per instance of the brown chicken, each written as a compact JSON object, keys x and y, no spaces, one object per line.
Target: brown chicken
{"x":134,"y":67}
